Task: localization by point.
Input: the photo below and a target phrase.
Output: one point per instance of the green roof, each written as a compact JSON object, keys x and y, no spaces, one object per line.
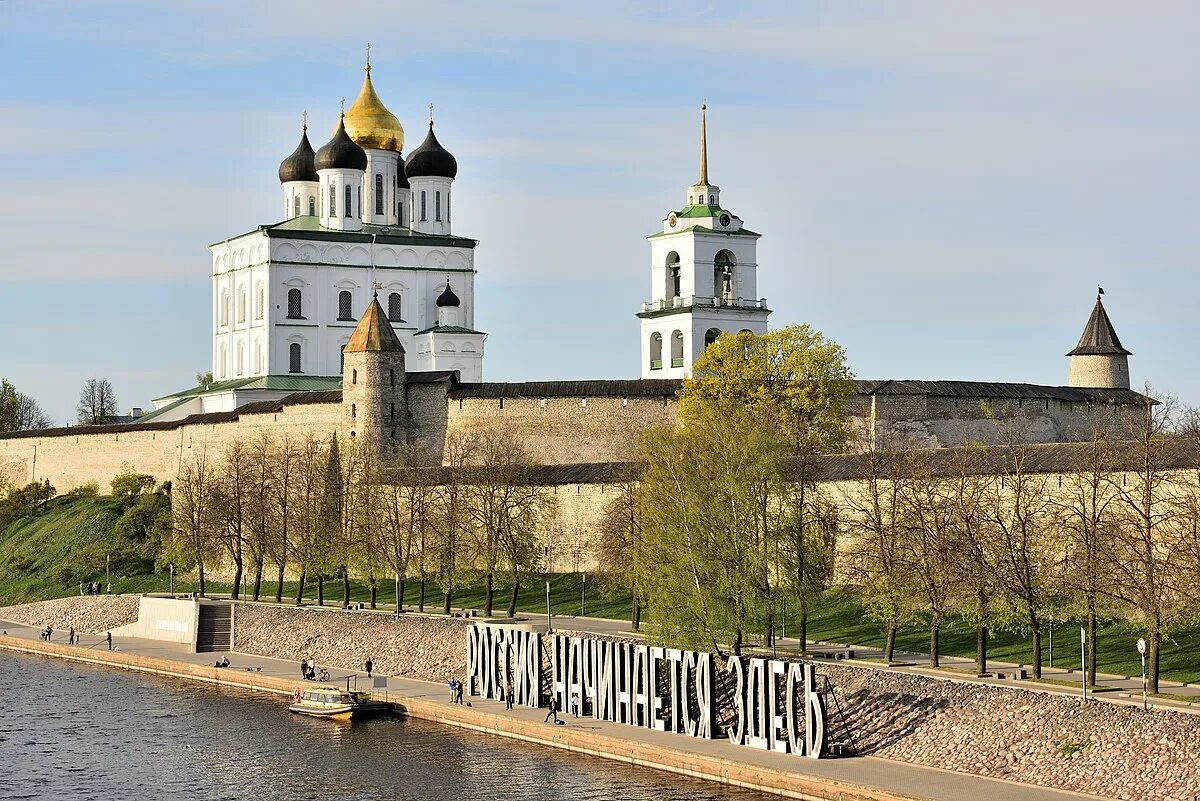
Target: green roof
{"x":448,"y":329}
{"x":284,"y":383}
{"x":700,"y":211}
{"x":309,"y":227}
{"x":701,"y":229}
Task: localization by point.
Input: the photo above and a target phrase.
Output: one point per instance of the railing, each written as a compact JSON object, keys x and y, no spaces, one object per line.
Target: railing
{"x":690,"y":301}
{"x":677,"y":362}
{"x":656,"y":364}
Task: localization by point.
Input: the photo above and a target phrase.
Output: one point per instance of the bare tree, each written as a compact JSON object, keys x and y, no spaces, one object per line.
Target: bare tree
{"x":97,"y":402}
{"x":18,"y":411}
{"x":285,"y":459}
{"x":261,"y":506}
{"x":233,"y":498}
{"x":193,"y":538}
{"x":405,"y":500}
{"x":452,"y":523}
{"x":617,"y":545}
{"x":968,"y":488}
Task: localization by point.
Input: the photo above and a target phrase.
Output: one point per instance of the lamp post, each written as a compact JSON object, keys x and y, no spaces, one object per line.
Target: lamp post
{"x":582,"y":592}
{"x":549,"y":620}
{"x":108,"y":573}
{"x":398,"y":595}
{"x":172,"y":579}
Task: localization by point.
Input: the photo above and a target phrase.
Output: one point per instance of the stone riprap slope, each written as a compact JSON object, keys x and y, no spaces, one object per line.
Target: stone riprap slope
{"x":87,"y":613}
{"x":434,"y":649}
{"x":1011,"y":733}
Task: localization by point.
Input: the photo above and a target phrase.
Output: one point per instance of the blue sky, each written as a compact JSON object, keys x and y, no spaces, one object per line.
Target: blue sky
{"x":940,"y":186}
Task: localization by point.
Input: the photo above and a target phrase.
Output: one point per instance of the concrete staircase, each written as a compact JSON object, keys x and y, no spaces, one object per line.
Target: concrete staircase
{"x":214,"y":632}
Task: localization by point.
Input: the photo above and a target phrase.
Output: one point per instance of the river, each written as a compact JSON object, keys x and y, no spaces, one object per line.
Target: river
{"x":78,"y":732}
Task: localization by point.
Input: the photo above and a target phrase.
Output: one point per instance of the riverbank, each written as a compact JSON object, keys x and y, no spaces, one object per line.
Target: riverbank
{"x":861,"y":779}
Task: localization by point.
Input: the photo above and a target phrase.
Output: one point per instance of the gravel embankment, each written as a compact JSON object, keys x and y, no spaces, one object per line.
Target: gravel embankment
{"x":87,"y":613}
{"x":422,"y":648}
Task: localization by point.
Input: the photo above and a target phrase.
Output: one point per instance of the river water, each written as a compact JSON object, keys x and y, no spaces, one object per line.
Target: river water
{"x":78,"y":732}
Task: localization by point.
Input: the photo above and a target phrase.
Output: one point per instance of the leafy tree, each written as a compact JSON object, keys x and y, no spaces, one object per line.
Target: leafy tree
{"x":618,"y":542}
{"x":129,"y":483}
{"x":204,"y":378}
{"x":25,"y":501}
{"x":18,"y":411}
{"x":97,"y":402}
{"x":451,"y":522}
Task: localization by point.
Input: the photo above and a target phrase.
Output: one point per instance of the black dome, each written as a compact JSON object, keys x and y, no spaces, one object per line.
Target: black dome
{"x":431,"y":159}
{"x":299,"y":165}
{"x":447,"y":298}
{"x":341,"y":152}
{"x":401,"y":178}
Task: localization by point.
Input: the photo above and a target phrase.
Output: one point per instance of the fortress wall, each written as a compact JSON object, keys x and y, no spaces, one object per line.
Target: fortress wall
{"x":566,"y":430}
{"x":71,"y":460}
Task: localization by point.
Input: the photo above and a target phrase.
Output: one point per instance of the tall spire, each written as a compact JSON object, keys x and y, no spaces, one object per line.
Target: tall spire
{"x":703,"y":181}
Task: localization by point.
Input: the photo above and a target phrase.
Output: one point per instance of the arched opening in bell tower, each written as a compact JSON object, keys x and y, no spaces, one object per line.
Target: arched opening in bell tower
{"x":723,"y":266}
{"x":677,"y":349}
{"x":656,"y":351}
{"x":673,"y":275}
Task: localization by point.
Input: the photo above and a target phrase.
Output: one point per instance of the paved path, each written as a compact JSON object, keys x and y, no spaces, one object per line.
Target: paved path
{"x":869,"y":772}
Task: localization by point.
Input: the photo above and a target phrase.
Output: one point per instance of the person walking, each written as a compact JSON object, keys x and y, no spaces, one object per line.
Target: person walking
{"x":575,"y":705}
{"x":108,"y":639}
{"x":368,"y":666}
{"x":508,"y":695}
{"x":71,"y":636}
{"x":553,"y":713}
{"x":458,"y":692}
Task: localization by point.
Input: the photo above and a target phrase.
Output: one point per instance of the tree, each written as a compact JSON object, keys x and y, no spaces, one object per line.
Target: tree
{"x":405,"y":501}
{"x":262,"y":506}
{"x":618,"y":543}
{"x":285,"y":459}
{"x":193,"y":540}
{"x":794,"y":379}
{"x":451,"y":522}
{"x":706,"y":550}
{"x":968,"y":488}
{"x":305,"y":506}
{"x":129,"y":483}
{"x":231,"y":498}
{"x":97,"y":402}
{"x":18,"y":411}
{"x":204,"y":378}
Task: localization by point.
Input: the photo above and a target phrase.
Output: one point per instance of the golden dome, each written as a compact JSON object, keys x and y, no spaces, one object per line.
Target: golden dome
{"x":369,"y":123}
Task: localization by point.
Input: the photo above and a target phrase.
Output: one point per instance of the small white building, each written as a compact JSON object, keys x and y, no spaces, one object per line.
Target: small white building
{"x":703,"y":279}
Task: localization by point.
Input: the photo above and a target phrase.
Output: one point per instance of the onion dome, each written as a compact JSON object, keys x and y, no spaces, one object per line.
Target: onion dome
{"x":299,"y":166}
{"x":401,"y":178}
{"x":447,"y":298}
{"x":341,"y":152}
{"x":368,"y":121}
{"x":431,"y":159}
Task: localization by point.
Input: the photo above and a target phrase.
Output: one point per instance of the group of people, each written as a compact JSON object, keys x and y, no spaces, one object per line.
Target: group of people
{"x":555,"y":708}
{"x":93,"y":588}
{"x":222,"y":662}
{"x":308,"y":668}
{"x":456,"y":691}
{"x":72,"y":636}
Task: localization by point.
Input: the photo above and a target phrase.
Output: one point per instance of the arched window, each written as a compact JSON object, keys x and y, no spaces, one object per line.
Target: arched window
{"x":712,"y":199}
{"x":342,"y":359}
{"x":297,"y":206}
{"x":677,"y":349}
{"x":312,"y":206}
{"x":447,"y":205}
{"x":259,"y":303}
{"x":656,"y":351}
{"x":723,"y":277}
{"x":422,"y":205}
{"x":224,"y":364}
{"x":241,"y":360}
{"x":224,"y":308}
{"x":673,"y":275}
{"x":437,"y":206}
{"x":354,"y":376}
{"x":294,"y":305}
{"x":294,"y":357}
{"x":258,"y":357}
{"x":394,"y":308}
{"x":378,"y":193}
{"x":400,"y":212}
{"x":332,"y":200}
{"x":349,"y":194}
{"x":710,"y":336}
{"x":345,"y":305}
{"x":242,"y":306}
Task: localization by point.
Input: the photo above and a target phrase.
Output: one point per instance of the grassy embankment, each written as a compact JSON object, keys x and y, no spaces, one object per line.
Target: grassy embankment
{"x":45,"y":556}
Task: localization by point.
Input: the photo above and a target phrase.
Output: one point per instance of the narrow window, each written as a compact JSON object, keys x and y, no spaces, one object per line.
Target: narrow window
{"x":422,"y":205}
{"x":354,"y":376}
{"x":242,"y":306}
{"x":437,"y":206}
{"x":294,"y":305}
{"x":297,"y":206}
{"x":393,"y":412}
{"x":400,"y":212}
{"x":345,"y":306}
{"x":392,"y":377}
{"x":332,"y":200}
{"x":447,"y":205}
{"x":353,"y":410}
{"x":378,"y":193}
{"x":394,"y":308}
{"x":294,"y":357}
{"x":349,"y":195}
{"x":341,"y":360}
{"x":312,"y":206}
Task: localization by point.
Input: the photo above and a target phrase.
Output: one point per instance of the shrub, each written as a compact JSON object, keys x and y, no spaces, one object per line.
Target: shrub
{"x":129,"y":483}
{"x":89,"y":490}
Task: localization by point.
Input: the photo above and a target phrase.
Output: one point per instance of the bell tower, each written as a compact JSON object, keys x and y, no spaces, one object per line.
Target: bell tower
{"x":703,"y":279}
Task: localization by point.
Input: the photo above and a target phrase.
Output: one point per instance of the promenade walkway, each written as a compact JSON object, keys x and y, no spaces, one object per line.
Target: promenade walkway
{"x":852,"y":779}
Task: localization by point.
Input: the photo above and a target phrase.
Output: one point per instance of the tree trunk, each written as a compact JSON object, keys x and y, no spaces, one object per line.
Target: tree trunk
{"x":374,"y":591}
{"x":489,"y":593}
{"x":201,"y":567}
{"x":345,"y":587}
{"x":1035,"y":625}
{"x":935,"y":640}
{"x":237,"y":578}
{"x":279,"y":585}
{"x":512,"y":598}
{"x":889,"y":643}
{"x":300,"y":587}
{"x":770,"y":633}
{"x":320,"y":589}
{"x":421,"y":596}
{"x":803,"y":628}
{"x":258,"y":571}
{"x":637,"y":613}
{"x":981,"y":644}
{"x":446,"y":601}
{"x":737,"y":643}
{"x":400,"y":597}
{"x":1155,"y":654}
{"x":1091,"y":641}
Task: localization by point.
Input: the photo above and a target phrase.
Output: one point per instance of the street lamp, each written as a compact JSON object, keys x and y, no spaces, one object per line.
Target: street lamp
{"x":582,"y":592}
{"x":549,"y":620}
{"x":172,"y":579}
{"x":108,"y":573}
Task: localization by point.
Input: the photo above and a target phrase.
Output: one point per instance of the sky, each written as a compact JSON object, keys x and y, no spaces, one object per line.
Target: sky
{"x":940,"y":186}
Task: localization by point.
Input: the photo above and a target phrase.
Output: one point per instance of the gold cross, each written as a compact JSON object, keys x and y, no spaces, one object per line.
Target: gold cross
{"x":368,"y":56}
{"x":343,"y":104}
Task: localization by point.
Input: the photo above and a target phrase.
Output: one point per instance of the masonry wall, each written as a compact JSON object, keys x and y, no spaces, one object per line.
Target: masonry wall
{"x":71,"y":460}
{"x":567,"y":430}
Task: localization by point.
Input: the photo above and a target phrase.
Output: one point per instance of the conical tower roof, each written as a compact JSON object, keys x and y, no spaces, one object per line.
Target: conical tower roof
{"x":1099,"y":337}
{"x":374,"y":333}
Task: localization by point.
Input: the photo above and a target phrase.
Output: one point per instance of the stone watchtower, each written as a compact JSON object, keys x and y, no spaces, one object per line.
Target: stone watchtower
{"x":1099,"y":360}
{"x":374,"y":398}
